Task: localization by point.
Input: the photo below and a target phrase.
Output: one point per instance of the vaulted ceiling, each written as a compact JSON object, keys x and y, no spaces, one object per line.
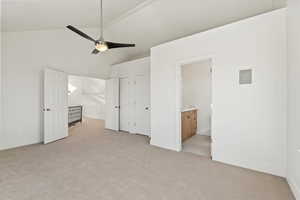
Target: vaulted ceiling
{"x":20,"y":15}
{"x":144,"y":22}
{"x":167,"y":20}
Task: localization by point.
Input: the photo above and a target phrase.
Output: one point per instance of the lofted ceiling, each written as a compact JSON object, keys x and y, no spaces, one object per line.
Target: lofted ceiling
{"x":20,"y":15}
{"x":146,"y":23}
{"x":167,"y":20}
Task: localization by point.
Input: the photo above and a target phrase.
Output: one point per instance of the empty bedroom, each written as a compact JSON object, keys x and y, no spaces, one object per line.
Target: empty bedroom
{"x":150,"y":99}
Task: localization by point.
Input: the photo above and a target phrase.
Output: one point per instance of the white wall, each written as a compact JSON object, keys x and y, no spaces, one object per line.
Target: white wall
{"x":132,"y":69}
{"x":294,"y":96}
{"x":196,"y":92}
{"x":248,"y":121}
{"x":24,"y":56}
{"x":1,"y":110}
{"x":90,"y":93}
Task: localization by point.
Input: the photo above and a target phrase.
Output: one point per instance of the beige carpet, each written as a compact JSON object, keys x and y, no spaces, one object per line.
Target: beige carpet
{"x":93,"y":164}
{"x":199,"y":145}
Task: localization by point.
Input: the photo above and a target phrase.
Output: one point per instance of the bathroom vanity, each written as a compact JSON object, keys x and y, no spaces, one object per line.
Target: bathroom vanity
{"x":188,"y":123}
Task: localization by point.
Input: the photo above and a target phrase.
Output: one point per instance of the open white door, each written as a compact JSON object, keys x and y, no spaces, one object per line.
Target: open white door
{"x":55,"y":105}
{"x":142,"y":104}
{"x":112,"y":104}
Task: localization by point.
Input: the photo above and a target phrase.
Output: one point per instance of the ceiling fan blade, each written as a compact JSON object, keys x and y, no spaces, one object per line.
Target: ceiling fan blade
{"x":112,"y":45}
{"x":95,"y":51}
{"x":82,"y":34}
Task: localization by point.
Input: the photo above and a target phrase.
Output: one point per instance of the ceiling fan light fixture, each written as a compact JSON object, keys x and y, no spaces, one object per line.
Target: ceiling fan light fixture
{"x":102,"y":46}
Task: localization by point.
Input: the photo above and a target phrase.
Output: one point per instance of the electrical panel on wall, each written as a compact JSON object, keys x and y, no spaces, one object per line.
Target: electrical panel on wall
{"x":245,"y":76}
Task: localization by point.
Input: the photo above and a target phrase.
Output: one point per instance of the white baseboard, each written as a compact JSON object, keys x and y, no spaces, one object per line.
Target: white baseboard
{"x":244,"y":162}
{"x":18,"y":146}
{"x":94,"y":117}
{"x":164,"y":146}
{"x":204,"y":132}
{"x":294,"y":187}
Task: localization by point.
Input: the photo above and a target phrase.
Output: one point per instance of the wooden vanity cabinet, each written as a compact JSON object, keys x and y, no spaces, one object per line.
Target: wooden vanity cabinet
{"x":188,"y":124}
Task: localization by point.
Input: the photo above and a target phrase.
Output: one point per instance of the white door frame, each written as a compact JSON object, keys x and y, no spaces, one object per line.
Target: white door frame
{"x":146,"y":108}
{"x":47,"y":108}
{"x":121,"y":109}
{"x":113,"y":124}
{"x":178,"y":100}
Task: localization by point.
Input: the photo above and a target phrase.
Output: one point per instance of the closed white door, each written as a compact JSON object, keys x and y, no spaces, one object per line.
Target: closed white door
{"x":112,"y":104}
{"x":124,"y":104}
{"x":142,"y":104}
{"x":55,"y":105}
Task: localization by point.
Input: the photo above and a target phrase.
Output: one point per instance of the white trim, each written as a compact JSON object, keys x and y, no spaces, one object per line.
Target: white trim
{"x":14,"y":146}
{"x":2,"y":129}
{"x":157,"y":144}
{"x":94,"y":116}
{"x":294,"y":187}
{"x":178,"y":93}
{"x":178,"y":103}
{"x":55,"y":69}
{"x":247,"y":164}
{"x":204,"y":132}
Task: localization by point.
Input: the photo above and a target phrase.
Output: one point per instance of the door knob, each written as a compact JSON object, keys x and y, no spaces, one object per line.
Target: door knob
{"x":147,"y":108}
{"x":47,"y":109}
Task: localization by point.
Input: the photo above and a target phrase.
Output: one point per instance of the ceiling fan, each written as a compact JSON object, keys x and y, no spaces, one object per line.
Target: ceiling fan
{"x":100,"y":45}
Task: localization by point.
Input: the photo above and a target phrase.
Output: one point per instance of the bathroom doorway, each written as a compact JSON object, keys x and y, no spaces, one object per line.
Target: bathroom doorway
{"x":196,"y":107}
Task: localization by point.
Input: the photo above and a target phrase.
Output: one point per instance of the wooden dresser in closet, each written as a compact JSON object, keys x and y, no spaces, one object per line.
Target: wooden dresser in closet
{"x":188,"y":124}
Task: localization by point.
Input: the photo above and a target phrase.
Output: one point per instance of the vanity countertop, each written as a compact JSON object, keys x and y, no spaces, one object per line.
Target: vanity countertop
{"x":188,"y":109}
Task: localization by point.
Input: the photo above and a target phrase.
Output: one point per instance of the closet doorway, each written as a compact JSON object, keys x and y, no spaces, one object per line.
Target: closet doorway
{"x":134,"y":108}
{"x":128,"y":97}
